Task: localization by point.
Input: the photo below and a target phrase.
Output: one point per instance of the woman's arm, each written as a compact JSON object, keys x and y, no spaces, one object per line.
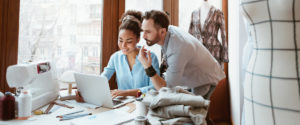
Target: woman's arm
{"x":130,"y":92}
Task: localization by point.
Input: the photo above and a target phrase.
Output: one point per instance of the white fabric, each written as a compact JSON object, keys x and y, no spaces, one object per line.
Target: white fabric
{"x":175,"y":106}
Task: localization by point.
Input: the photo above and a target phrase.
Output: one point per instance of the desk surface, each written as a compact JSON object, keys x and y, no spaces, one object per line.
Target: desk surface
{"x":100,"y":116}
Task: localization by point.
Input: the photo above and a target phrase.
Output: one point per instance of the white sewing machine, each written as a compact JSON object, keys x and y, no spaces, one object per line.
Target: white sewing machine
{"x":39,"y":78}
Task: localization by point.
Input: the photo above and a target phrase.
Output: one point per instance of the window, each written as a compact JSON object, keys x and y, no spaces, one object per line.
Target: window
{"x":58,"y":51}
{"x":85,"y":51}
{"x":95,"y":51}
{"x":186,"y":9}
{"x":61,"y":32}
{"x":145,"y":5}
{"x":95,"y":12}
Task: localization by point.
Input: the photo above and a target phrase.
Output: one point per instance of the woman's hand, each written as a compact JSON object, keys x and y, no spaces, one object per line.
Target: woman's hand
{"x":78,"y":97}
{"x":114,"y":93}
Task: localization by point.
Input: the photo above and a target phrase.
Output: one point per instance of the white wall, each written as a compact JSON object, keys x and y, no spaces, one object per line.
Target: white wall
{"x":237,"y":38}
{"x":243,"y":38}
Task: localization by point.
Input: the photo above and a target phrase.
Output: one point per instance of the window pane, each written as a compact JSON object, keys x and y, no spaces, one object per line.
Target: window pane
{"x":186,"y":9}
{"x":66,"y":32}
{"x":145,"y":5}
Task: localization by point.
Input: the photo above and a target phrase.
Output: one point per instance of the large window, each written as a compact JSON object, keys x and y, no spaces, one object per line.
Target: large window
{"x":145,"y":5}
{"x":66,"y":32}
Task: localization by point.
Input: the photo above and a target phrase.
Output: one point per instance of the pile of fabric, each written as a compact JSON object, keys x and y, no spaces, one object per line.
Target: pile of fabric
{"x":175,"y":106}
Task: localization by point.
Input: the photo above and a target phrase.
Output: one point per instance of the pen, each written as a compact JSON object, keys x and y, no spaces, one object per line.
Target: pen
{"x":49,"y":108}
{"x":74,"y":116}
{"x":63,"y":105}
{"x":60,"y":116}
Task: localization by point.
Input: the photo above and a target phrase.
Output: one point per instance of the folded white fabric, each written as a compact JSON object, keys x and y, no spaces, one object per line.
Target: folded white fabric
{"x":174,"y":121}
{"x":174,"y":106}
{"x":171,"y":111}
{"x":175,"y":96}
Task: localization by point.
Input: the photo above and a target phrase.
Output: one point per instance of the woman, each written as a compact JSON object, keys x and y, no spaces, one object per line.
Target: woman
{"x":131,"y":76}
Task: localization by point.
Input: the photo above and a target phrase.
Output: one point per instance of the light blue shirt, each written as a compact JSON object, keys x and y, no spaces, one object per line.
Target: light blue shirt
{"x":126,"y":79}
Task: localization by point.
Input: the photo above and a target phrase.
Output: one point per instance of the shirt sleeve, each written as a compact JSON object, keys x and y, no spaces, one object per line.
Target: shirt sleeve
{"x":109,"y":70}
{"x":177,"y":60}
{"x":194,"y":28}
{"x":156,"y":67}
{"x":224,"y":49}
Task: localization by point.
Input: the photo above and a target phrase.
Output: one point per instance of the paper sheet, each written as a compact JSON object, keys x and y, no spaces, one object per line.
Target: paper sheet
{"x":86,"y":105}
{"x":111,"y":117}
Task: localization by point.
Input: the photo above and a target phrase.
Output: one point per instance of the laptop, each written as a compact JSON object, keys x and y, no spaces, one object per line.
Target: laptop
{"x":95,"y":90}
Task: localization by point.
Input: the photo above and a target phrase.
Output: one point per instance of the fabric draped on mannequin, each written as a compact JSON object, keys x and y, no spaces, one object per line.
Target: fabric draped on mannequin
{"x":208,"y":33}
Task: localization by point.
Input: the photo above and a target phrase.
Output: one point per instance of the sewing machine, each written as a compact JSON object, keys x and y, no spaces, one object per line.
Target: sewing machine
{"x":39,"y":78}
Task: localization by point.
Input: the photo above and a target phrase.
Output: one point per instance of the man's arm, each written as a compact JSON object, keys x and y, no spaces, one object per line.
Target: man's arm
{"x":146,"y":60}
{"x":158,"y":82}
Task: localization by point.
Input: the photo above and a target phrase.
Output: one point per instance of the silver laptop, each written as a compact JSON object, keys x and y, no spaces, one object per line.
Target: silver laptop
{"x":95,"y":90}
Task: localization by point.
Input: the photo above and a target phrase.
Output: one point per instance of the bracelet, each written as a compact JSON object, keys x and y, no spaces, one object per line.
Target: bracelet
{"x":150,"y":71}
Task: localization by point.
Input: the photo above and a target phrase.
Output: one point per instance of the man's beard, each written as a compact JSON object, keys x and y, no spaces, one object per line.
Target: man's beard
{"x":152,"y":42}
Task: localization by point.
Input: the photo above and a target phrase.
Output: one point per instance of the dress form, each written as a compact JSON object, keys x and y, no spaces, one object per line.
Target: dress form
{"x":271,"y":88}
{"x":204,"y":9}
{"x":207,"y":22}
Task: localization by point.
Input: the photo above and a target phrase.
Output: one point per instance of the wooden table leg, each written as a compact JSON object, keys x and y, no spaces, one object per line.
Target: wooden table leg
{"x":70,"y":89}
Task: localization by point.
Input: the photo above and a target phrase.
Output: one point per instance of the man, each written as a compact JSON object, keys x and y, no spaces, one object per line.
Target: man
{"x":189,"y":62}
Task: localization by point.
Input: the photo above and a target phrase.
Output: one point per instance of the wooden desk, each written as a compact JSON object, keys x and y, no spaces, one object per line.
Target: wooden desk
{"x":50,"y":119}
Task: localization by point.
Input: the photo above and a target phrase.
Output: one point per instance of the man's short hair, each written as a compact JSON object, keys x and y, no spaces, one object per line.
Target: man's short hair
{"x":160,"y":18}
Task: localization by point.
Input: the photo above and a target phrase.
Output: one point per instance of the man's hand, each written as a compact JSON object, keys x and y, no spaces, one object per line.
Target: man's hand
{"x":145,"y":57}
{"x":114,"y":93}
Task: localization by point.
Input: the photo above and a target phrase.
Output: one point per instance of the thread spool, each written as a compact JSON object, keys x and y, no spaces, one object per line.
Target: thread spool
{"x":141,"y":109}
{"x":24,"y":105}
{"x":140,"y":120}
{"x":7,"y":107}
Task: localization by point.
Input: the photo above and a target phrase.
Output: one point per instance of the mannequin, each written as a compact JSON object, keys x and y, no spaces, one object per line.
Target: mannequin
{"x":204,"y":9}
{"x":271,"y":88}
{"x":206,"y":23}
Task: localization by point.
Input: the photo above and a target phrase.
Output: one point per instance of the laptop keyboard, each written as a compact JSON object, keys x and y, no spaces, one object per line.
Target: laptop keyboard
{"x":116,"y":102}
